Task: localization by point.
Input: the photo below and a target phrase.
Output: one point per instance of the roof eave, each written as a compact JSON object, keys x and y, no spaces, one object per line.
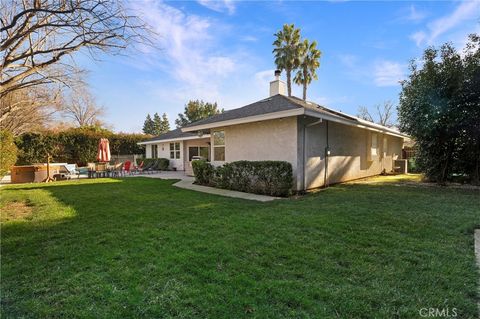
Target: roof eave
{"x":244,"y":120}
{"x":361,"y":124}
{"x":295,"y":112}
{"x":174,"y":139}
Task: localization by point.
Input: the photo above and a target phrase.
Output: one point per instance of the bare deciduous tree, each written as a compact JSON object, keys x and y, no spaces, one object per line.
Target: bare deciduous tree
{"x":28,"y":109}
{"x":39,"y":34}
{"x":80,"y":107}
{"x":384,"y":114}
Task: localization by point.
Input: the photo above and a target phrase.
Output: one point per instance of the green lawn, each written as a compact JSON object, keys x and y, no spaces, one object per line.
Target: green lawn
{"x":139,"y":247}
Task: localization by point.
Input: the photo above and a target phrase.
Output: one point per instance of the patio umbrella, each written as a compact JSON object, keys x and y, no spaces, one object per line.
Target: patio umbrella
{"x":103,"y":150}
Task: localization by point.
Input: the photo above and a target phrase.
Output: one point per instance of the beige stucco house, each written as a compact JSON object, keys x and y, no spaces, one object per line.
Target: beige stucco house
{"x":324,"y":146}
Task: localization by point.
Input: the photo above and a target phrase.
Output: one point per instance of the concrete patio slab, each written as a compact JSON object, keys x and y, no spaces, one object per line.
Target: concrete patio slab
{"x":186,"y":182}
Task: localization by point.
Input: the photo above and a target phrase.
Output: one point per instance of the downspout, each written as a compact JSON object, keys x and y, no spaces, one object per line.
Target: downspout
{"x":327,"y":154}
{"x":304,"y":156}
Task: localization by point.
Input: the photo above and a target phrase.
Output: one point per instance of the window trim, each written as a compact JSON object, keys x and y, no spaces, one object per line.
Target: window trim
{"x":175,"y":151}
{"x":224,"y":145}
{"x":374,"y":149}
{"x":372,"y":146}
{"x":385,"y":146}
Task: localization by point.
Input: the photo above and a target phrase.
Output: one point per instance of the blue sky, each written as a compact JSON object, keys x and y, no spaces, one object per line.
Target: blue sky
{"x":221,"y":51}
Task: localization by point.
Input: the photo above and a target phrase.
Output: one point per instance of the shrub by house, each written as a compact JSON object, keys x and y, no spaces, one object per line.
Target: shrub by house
{"x":274,"y":178}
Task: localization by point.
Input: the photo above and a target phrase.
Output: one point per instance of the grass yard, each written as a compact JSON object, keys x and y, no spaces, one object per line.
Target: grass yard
{"x":139,"y":247}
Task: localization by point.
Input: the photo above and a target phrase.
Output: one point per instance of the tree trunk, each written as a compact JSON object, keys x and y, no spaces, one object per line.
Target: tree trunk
{"x":445,"y":169}
{"x":304,"y":91}
{"x":289,"y":81}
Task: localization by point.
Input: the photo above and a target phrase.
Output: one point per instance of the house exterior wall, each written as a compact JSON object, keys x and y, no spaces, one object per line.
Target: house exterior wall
{"x":148,"y":151}
{"x":349,"y":154}
{"x":259,"y":141}
{"x":301,"y":141}
{"x":164,"y":152}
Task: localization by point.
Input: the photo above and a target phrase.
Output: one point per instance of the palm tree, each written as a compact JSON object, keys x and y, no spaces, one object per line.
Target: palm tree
{"x":309,"y":63}
{"x":286,"y":51}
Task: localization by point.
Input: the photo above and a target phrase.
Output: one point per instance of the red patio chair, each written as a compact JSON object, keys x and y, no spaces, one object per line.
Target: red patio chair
{"x":127,"y":167}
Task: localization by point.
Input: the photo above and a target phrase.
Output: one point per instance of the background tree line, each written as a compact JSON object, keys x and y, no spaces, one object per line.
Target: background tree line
{"x":194,"y":110}
{"x":75,"y":145}
{"x":156,"y":126}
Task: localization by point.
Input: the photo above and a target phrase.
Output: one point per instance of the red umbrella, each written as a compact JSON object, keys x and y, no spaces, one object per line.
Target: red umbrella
{"x":103,"y":150}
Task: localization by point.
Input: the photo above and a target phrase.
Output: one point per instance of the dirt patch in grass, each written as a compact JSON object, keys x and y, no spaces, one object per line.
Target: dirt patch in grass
{"x":16,"y":211}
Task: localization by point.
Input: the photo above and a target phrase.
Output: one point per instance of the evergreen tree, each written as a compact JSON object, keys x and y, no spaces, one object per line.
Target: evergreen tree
{"x":440,"y":108}
{"x":160,"y":124}
{"x":157,"y":124}
{"x":148,"y":126}
{"x":197,"y":110}
{"x":165,"y":124}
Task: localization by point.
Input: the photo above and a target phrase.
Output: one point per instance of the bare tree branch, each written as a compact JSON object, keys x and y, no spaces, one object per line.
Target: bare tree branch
{"x":363,"y":113}
{"x":384,"y":112}
{"x":80,"y":107}
{"x":28,"y":110}
{"x":37,"y":34}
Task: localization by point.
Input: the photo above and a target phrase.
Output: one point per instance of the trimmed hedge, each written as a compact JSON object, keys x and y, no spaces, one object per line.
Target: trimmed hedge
{"x":163,"y":163}
{"x":204,"y":172}
{"x":274,"y":178}
{"x":77,"y":145}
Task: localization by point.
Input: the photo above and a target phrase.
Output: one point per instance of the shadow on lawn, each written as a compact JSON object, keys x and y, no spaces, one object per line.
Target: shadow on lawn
{"x":97,"y":238}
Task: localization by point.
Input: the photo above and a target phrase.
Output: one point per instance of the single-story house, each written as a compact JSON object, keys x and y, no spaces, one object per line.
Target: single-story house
{"x":324,"y":146}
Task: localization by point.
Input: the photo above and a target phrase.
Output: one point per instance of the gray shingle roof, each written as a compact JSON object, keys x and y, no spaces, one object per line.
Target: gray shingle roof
{"x":177,"y":133}
{"x":276,"y":103}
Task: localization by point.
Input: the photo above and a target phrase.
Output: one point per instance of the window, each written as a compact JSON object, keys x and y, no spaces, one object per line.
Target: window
{"x":196,"y":151}
{"x":204,"y":152}
{"x":373,"y":147}
{"x":385,"y":146}
{"x":154,"y":151}
{"x":192,"y":151}
{"x":219,"y":146}
{"x":174,"y":150}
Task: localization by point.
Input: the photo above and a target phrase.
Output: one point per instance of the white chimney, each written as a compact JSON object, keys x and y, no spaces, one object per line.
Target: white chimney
{"x":278,"y":86}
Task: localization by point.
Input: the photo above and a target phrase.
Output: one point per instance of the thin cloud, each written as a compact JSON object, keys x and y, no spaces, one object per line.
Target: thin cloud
{"x":249,"y":38}
{"x":190,"y":53}
{"x":414,"y":14}
{"x":418,"y":37}
{"x":388,"y":73}
{"x":263,"y":78}
{"x":467,"y":10}
{"x":385,"y":72}
{"x":219,"y":5}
